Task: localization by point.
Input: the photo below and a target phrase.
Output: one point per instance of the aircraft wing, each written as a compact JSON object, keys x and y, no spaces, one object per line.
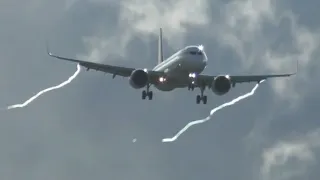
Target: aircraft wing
{"x":115,"y":70}
{"x":207,"y":79}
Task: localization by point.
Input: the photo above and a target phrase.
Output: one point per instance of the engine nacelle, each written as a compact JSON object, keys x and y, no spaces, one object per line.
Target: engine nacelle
{"x":221,"y":85}
{"x":138,"y":79}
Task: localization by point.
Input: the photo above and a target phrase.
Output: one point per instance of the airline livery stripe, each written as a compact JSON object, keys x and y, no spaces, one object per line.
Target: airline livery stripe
{"x":165,"y":63}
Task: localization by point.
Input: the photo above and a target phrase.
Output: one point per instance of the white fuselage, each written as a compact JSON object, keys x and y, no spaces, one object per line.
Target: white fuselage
{"x":190,"y":59}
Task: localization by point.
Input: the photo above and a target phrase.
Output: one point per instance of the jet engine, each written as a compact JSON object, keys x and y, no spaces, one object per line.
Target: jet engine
{"x":221,"y":85}
{"x":138,"y":78}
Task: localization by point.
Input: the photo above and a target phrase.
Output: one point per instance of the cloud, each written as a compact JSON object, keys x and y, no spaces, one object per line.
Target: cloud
{"x":250,"y":28}
{"x":148,"y":16}
{"x":290,"y":158}
{"x":78,"y":132}
{"x":144,"y":18}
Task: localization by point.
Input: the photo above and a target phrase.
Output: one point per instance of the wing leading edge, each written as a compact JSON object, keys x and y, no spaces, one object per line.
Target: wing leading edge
{"x":207,"y":79}
{"x":115,"y":70}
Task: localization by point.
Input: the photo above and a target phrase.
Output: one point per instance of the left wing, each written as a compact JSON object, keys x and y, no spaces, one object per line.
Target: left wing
{"x":207,"y":79}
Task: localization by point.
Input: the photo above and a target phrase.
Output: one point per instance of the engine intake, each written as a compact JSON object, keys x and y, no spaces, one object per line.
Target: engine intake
{"x":221,"y":85}
{"x":138,"y":79}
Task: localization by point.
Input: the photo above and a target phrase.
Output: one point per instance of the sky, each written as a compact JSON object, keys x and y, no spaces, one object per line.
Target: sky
{"x":85,"y":130}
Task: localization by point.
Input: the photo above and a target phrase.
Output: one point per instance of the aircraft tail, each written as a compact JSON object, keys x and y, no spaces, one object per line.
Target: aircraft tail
{"x":160,"y":51}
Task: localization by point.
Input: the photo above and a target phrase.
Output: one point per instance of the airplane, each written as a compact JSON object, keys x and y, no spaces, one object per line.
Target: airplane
{"x":180,"y":70}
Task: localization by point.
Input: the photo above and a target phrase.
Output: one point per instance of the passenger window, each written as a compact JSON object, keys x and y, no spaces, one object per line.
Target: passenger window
{"x":193,"y":53}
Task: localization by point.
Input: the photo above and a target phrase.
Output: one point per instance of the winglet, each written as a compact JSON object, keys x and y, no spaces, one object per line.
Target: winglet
{"x":297,"y":67}
{"x":296,"y":71}
{"x":47,"y":48}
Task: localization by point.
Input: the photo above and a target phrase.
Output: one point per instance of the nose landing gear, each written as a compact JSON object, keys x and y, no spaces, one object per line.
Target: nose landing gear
{"x":191,"y":87}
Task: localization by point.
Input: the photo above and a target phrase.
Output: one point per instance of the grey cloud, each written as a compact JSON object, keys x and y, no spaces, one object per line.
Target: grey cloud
{"x":277,"y":164}
{"x":85,"y":130}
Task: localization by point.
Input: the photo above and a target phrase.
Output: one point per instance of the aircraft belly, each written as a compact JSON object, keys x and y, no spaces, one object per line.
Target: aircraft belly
{"x":164,"y":87}
{"x":169,"y":86}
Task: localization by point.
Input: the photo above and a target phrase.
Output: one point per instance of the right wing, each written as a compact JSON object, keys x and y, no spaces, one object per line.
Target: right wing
{"x":115,"y":70}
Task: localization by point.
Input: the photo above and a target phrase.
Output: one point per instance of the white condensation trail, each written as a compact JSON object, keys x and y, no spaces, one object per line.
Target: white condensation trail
{"x":47,"y":90}
{"x":211,"y":113}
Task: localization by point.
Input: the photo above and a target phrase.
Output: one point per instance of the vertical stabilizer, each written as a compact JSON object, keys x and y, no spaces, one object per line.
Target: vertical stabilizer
{"x":160,"y":52}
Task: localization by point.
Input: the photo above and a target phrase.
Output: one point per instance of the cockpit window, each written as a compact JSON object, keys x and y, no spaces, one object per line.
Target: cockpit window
{"x":196,"y":52}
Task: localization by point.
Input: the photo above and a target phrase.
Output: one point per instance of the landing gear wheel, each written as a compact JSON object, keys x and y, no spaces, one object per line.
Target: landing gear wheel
{"x":150,"y":95}
{"x":144,"y":94}
{"x":204,"y":99}
{"x":198,"y":99}
{"x":191,"y":87}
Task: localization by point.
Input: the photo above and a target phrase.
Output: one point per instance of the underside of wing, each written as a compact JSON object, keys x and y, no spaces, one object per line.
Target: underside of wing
{"x":153,"y":76}
{"x":207,"y":80}
{"x":222,"y":84}
{"x":255,"y":78}
{"x":115,"y":70}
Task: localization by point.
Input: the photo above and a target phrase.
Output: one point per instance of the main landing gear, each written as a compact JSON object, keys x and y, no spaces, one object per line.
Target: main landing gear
{"x":202,"y":97}
{"x":148,"y":93}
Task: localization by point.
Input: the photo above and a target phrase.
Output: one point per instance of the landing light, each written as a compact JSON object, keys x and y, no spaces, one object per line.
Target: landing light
{"x":162,"y":79}
{"x":192,"y":75}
